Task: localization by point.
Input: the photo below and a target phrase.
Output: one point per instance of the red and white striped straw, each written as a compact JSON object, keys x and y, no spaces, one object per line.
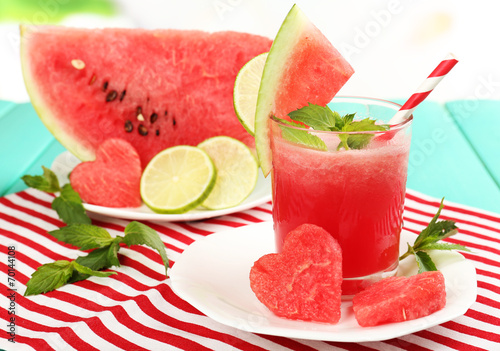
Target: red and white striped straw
{"x":425,"y":89}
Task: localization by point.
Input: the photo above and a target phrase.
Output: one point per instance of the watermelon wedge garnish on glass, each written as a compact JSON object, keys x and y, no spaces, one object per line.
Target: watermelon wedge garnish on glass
{"x":152,"y":88}
{"x":302,"y":67}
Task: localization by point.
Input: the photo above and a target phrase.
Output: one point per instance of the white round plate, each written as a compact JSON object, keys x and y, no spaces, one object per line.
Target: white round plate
{"x":65,"y":162}
{"x":212,"y":274}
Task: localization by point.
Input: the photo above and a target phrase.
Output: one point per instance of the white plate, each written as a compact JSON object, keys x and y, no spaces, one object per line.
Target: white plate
{"x":65,"y":162}
{"x":212,"y":274}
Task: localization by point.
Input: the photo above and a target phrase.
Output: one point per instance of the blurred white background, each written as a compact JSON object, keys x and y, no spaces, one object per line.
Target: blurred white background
{"x":392,"y":44}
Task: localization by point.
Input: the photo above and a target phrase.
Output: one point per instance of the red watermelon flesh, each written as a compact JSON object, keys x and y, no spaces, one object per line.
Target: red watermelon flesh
{"x":153,"y":88}
{"x":398,"y":299}
{"x":303,"y":281}
{"x":315,"y":73}
{"x":113,"y":179}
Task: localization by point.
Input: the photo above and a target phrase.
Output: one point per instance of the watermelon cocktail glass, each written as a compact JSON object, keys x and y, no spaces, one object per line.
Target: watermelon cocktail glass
{"x":356,"y":195}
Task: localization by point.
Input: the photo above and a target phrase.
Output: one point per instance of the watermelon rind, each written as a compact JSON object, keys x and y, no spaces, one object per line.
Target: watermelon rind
{"x":41,"y":108}
{"x":288,"y":36}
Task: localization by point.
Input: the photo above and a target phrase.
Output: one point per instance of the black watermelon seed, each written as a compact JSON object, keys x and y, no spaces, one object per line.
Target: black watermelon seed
{"x":157,"y":132}
{"x":173,"y":121}
{"x":122,"y":95}
{"x":166,"y":112}
{"x":153,"y":118}
{"x":128,"y":126}
{"x":111,"y":96}
{"x":105,"y":86}
{"x":143,"y":130}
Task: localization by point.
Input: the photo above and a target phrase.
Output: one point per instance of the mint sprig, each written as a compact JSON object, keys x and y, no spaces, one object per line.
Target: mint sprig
{"x":322,"y":118}
{"x":80,"y":232}
{"x":428,"y":239}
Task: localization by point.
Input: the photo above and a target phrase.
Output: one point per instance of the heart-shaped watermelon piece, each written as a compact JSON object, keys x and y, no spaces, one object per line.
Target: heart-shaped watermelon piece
{"x":303,"y":281}
{"x":113,"y":179}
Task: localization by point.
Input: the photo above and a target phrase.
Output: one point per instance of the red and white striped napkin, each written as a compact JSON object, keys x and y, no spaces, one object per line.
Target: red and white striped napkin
{"x":137,"y":309}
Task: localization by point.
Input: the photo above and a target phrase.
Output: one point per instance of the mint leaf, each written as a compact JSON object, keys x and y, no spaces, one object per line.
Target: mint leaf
{"x":48,"y":277}
{"x":346,"y":120}
{"x":69,"y":206}
{"x":85,"y":236}
{"x":443,"y":246}
{"x":359,"y":141}
{"x":102,"y":258}
{"x":424,"y":262}
{"x":436,"y":230}
{"x":88,"y":271}
{"x":315,"y":116}
{"x":53,"y":275}
{"x":300,"y":136}
{"x":97,"y":259}
{"x":112,"y":255}
{"x":343,"y":142}
{"x":47,"y":182}
{"x":137,"y":233}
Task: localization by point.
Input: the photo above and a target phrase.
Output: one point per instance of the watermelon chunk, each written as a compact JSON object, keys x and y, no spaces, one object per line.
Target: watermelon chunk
{"x":113,"y":179}
{"x":303,"y":281}
{"x":398,"y":299}
{"x":153,"y":88}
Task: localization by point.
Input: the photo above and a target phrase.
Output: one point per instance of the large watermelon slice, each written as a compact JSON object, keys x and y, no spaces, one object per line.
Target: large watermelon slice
{"x":153,"y":88}
{"x":302,"y":67}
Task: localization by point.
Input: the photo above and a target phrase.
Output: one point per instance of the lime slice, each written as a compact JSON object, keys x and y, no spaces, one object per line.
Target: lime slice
{"x":237,"y":172}
{"x":246,"y":89}
{"x":178,"y":179}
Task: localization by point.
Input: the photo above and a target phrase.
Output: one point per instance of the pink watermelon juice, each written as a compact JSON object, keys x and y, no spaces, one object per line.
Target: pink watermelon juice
{"x":356,"y":195}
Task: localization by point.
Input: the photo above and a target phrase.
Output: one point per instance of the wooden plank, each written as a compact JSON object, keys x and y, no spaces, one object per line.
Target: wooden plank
{"x":5,"y":106}
{"x":23,"y":143}
{"x":443,"y":164}
{"x":45,"y":159}
{"x":479,"y":122}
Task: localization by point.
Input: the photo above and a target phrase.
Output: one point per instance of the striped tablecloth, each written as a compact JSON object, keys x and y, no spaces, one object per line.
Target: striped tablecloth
{"x":137,"y":309}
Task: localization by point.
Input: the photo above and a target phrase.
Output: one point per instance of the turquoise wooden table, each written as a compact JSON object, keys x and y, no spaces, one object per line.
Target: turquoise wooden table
{"x":455,"y":150}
